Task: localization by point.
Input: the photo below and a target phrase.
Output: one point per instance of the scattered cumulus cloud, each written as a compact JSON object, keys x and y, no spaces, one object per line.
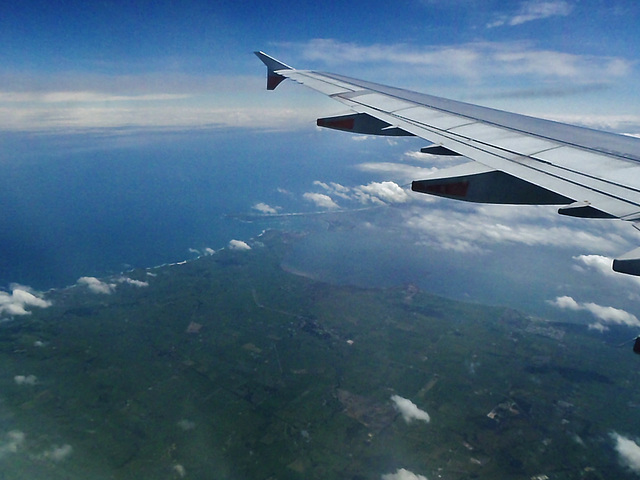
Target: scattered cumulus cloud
{"x":97,"y":286}
{"x":186,"y":425}
{"x":25,"y":379}
{"x":384,"y":192}
{"x":603,"y":266}
{"x":377,"y":193}
{"x":409,"y":410}
{"x":604,"y":315}
{"x":131,"y":281}
{"x":403,"y":474}
{"x":11,"y":442}
{"x":57,"y":453}
{"x":321,"y":200}
{"x":534,"y":10}
{"x":628,"y":451}
{"x":266,"y":209}
{"x":238,"y":245}
{"x":20,"y":298}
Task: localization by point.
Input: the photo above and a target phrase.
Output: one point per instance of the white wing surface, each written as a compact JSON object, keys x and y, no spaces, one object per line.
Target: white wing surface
{"x":520,"y":159}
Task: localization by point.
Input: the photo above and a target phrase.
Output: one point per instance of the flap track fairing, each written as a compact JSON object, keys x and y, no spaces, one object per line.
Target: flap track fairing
{"x":362,"y":123}
{"x":473,"y":182}
{"x":439,"y":150}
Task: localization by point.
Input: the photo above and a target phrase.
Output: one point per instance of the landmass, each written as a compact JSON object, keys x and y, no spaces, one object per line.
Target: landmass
{"x":229,"y":367}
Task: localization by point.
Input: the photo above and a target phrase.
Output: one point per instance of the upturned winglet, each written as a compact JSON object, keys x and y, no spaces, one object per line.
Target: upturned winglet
{"x":273,"y":65}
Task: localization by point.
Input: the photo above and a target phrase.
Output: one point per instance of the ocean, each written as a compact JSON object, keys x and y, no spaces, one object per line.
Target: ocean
{"x":99,"y":203}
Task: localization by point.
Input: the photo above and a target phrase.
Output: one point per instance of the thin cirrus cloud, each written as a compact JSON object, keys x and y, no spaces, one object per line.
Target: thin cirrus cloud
{"x":85,"y":101}
{"x":469,"y":60}
{"x":531,"y":11}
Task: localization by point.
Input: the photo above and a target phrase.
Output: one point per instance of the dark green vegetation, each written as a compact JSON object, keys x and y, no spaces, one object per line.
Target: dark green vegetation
{"x":228,"y":367}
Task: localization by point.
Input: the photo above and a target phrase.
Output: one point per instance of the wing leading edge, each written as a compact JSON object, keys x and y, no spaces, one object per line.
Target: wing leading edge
{"x":520,"y":159}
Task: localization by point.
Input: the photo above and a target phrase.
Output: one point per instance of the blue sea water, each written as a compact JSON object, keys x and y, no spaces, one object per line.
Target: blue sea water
{"x":99,"y":203}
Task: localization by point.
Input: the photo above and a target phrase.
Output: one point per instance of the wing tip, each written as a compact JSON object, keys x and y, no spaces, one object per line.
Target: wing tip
{"x":273,"y":78}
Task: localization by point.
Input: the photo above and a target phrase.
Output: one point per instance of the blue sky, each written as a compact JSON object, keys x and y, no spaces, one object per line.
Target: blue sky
{"x":117,"y":68}
{"x":187,"y":64}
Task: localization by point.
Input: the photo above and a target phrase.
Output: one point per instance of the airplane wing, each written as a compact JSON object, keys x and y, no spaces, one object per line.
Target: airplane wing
{"x":516,"y":159}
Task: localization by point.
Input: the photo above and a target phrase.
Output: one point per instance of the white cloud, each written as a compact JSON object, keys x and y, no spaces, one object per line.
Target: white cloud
{"x":409,"y":410}
{"x":82,"y":97}
{"x":475,"y":228}
{"x":603,"y":266}
{"x":403,"y":474}
{"x":20,"y":298}
{"x":471,"y":60}
{"x":378,"y":193}
{"x":12,"y":442}
{"x":321,"y":200}
{"x":384,"y":192}
{"x":628,"y":451}
{"x":534,"y":10}
{"x":57,"y":453}
{"x":336,"y":189}
{"x":97,"y":286}
{"x":25,"y":379}
{"x":135,"y":283}
{"x":266,"y":209}
{"x":605,"y":315}
{"x":566,"y":302}
{"x":131,"y":281}
{"x":599,"y":263}
{"x":238,"y":245}
{"x":73,"y":101}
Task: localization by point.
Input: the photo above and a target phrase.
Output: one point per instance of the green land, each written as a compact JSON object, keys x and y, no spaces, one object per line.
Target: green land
{"x":228,"y":367}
